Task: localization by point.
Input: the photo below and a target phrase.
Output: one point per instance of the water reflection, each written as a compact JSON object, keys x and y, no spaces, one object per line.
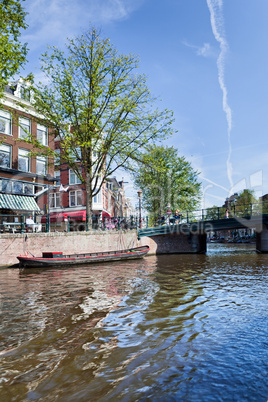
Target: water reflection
{"x":180,"y":327}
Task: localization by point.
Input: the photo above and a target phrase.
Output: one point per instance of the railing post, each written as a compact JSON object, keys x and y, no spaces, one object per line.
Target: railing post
{"x":147,"y":221}
{"x":21,"y":224}
{"x":47,"y":226}
{"x":187,"y":214}
{"x":202,"y":214}
{"x":86,"y":222}
{"x":218,"y":213}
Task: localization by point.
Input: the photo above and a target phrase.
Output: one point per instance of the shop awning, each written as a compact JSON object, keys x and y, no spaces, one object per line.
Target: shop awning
{"x":60,"y":216}
{"x":18,"y":203}
{"x":80,"y":216}
{"x":105,"y":214}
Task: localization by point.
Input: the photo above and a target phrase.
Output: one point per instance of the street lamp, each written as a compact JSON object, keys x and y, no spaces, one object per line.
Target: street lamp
{"x":48,"y":203}
{"x":139,"y":195}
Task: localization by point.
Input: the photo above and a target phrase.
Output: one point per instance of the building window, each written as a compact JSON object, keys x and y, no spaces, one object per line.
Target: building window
{"x":97,"y":198}
{"x":24,"y":160}
{"x":57,"y":177}
{"x":5,"y":156}
{"x":24,"y":128}
{"x":25,"y":93}
{"x":57,"y":157}
{"x":28,"y":188}
{"x":6,"y":186}
{"x":76,"y":154}
{"x":42,"y":134}
{"x":41,"y":165}
{"x":73,"y":179}
{"x":5,"y":122}
{"x":54,"y":200}
{"x":17,"y":187}
{"x":75,"y":198}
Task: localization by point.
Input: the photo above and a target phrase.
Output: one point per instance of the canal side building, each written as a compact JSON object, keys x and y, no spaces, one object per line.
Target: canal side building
{"x":38,"y":185}
{"x":68,"y":197}
{"x":24,"y":178}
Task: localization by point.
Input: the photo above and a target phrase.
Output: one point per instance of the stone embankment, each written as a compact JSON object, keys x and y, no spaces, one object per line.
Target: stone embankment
{"x":12,"y":245}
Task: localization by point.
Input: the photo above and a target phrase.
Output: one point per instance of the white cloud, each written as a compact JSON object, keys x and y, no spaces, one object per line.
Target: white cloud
{"x":52,"y":21}
{"x":205,"y":50}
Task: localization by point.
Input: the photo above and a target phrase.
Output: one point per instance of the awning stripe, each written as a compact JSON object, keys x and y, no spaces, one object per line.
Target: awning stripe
{"x":18,"y":203}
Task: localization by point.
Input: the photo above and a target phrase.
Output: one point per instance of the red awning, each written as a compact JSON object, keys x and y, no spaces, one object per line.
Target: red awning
{"x":60,"y":216}
{"x":105,"y":214}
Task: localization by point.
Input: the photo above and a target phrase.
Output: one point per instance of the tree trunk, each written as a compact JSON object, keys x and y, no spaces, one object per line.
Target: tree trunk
{"x":88,"y":203}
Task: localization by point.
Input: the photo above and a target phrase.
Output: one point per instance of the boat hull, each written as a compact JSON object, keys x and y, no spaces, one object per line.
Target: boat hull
{"x":86,"y":258}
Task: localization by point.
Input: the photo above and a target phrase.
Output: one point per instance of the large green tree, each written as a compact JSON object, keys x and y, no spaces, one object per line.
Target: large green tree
{"x":244,"y":203}
{"x":13,"y":53}
{"x":100,"y":107}
{"x":167,"y":179}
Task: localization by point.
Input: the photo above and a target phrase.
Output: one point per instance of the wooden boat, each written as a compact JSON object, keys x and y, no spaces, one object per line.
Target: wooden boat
{"x":50,"y":259}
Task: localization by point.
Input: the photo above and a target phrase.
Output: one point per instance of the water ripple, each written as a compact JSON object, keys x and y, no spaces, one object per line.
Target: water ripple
{"x":167,"y":328}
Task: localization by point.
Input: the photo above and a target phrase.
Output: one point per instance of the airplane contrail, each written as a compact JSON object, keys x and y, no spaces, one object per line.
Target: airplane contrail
{"x":217,"y":24}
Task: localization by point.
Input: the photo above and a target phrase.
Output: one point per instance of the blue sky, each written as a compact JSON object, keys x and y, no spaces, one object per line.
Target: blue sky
{"x":205,"y":59}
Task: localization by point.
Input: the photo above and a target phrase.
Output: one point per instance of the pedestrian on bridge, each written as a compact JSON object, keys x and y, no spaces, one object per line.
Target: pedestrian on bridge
{"x":177,"y":216}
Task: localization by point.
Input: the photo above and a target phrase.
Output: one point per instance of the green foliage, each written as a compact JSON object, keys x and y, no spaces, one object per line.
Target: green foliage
{"x":264,"y":207}
{"x":246,"y":197}
{"x":165,"y":178}
{"x":13,"y":53}
{"x":243,"y":203}
{"x":97,"y":92}
{"x":215,"y":213}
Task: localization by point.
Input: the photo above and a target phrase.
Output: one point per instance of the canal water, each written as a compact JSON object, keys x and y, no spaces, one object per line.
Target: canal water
{"x":164,"y":328}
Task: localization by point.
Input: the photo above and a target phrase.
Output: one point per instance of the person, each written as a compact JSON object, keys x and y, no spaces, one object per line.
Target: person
{"x":177,"y":216}
{"x":30,"y":224}
{"x":162,"y":220}
{"x":226,"y":214}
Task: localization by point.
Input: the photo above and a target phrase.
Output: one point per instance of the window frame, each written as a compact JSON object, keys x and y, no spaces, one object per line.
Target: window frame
{"x":97,"y":198}
{"x":6,"y":118}
{"x":76,"y":178}
{"x":57,"y":157}
{"x":75,"y":194}
{"x":21,"y":123}
{"x":44,"y":131}
{"x":25,"y":93}
{"x":41,"y":159}
{"x":25,"y":156}
{"x":9,"y":153}
{"x":55,"y":200}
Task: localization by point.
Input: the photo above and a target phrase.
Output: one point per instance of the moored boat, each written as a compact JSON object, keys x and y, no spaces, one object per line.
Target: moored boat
{"x":50,"y":259}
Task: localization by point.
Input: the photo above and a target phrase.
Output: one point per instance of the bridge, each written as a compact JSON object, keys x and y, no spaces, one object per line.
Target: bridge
{"x":190,"y":235}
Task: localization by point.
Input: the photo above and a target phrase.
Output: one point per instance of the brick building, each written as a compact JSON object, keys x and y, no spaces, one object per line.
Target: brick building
{"x":27,"y":182}
{"x":68,"y":198}
{"x":22,"y":177}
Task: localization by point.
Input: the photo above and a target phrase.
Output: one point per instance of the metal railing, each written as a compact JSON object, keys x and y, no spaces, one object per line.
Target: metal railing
{"x":209,"y":214}
{"x":45,"y":223}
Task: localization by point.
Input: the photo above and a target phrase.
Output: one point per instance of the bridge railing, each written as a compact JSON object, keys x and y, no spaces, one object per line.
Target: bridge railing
{"x":210,"y":214}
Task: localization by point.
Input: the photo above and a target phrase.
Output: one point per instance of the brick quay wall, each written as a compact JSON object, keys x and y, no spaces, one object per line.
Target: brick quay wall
{"x":12,"y":245}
